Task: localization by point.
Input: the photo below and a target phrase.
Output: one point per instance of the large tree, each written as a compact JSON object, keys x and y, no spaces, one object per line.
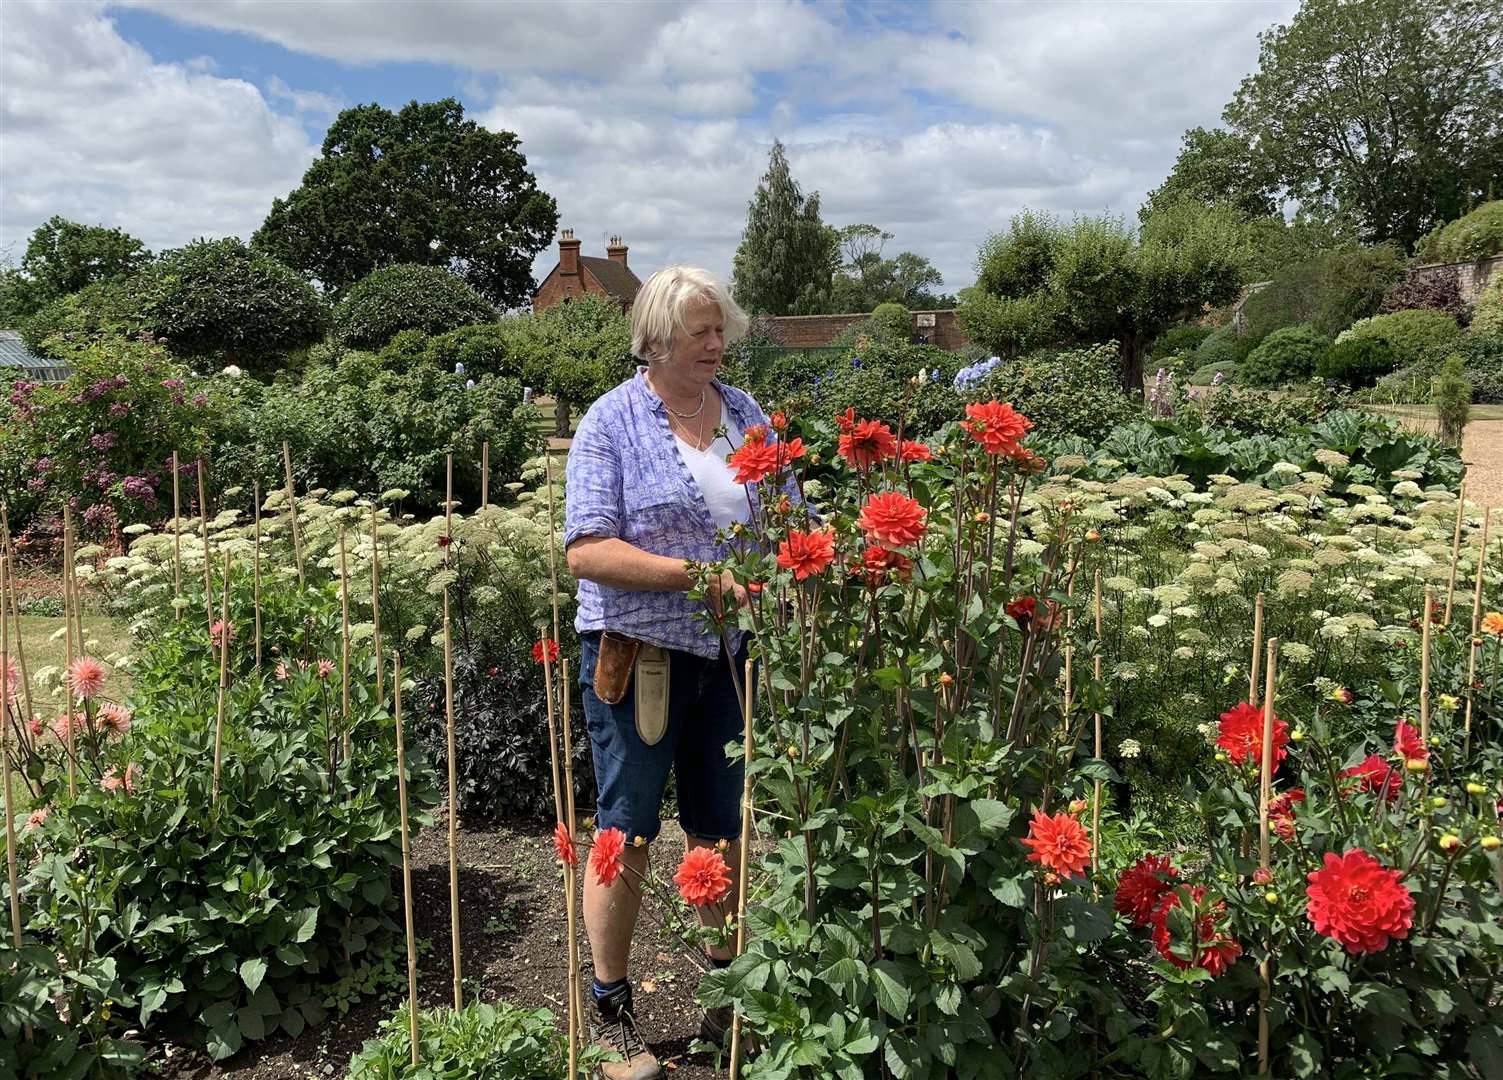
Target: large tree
{"x":1386,"y":112}
{"x":787,"y":255}
{"x":866,"y":279}
{"x":1215,"y":166}
{"x":1096,"y":279}
{"x":423,"y":185}
{"x":63,"y":256}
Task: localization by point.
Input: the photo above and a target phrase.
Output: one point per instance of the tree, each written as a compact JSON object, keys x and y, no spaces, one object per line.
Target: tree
{"x":63,"y":256}
{"x":220,"y":299}
{"x":423,"y":185}
{"x":787,"y":255}
{"x":1097,"y":280}
{"x":1387,"y":112}
{"x":865,"y":279}
{"x":1215,"y":166}
{"x":405,"y":297}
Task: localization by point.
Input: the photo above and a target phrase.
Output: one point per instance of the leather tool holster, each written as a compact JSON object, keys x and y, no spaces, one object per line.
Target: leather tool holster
{"x":624,"y":661}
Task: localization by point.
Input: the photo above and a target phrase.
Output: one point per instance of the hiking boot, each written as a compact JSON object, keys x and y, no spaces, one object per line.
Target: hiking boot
{"x":715,"y":1026}
{"x":616,"y":1031}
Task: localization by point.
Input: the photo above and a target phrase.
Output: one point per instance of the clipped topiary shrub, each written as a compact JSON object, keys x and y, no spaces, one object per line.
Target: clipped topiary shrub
{"x":1186,"y":337}
{"x":483,"y":349}
{"x":1487,"y":310}
{"x":406,"y":297}
{"x":894,"y":320}
{"x":1327,"y":292}
{"x":1478,"y":235}
{"x":1206,"y":375}
{"x":1409,"y":333}
{"x":1357,"y":362}
{"x":1223,"y":346}
{"x":1286,"y":355}
{"x":1075,"y":392}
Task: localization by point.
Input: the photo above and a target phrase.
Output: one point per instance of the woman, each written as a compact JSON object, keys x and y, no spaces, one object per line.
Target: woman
{"x":648,"y":488}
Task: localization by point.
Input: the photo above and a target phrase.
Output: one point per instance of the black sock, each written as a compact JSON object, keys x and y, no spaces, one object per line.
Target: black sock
{"x":612,"y":994}
{"x":722,"y":964}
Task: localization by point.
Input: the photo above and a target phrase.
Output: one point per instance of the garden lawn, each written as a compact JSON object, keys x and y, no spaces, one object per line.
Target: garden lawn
{"x":43,"y":651}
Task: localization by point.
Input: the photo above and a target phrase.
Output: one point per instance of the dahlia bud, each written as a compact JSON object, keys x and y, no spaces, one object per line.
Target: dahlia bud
{"x":1092,"y":536}
{"x":792,"y":752}
{"x":1051,"y":878}
{"x":1262,"y":876}
{"x":1342,"y":695}
{"x":1438,"y":803}
{"x":1474,"y":788}
{"x":589,"y":823}
{"x":1490,"y":843}
{"x":1221,"y":758}
{"x":1078,"y":806}
{"x":722,"y":845}
{"x":1450,"y":842}
{"x":754,"y":588}
{"x":637,"y":841}
{"x":1271,"y":896}
{"x":1417,"y":765}
{"x":1297,"y":735}
{"x":982,"y":517}
{"x":945,"y":679}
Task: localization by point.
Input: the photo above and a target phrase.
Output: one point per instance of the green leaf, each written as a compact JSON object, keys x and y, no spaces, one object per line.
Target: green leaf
{"x":889,"y":983}
{"x":1305,"y":1056}
{"x":304,"y":925}
{"x":252,"y":971}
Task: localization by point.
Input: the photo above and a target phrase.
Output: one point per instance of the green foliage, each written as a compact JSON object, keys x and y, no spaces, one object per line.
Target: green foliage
{"x":877,"y":380}
{"x":1098,"y":280}
{"x":1205,"y":375}
{"x":787,"y":255}
{"x":103,"y":308}
{"x":1329,"y":291}
{"x":360,"y":424}
{"x":865,"y":279}
{"x":1286,"y":355}
{"x":1213,"y":167}
{"x":484,"y":349}
{"x":1477,"y":235}
{"x":36,"y":1041}
{"x":1437,"y":292}
{"x":220,"y":300}
{"x":1185,"y":336}
{"x":497,"y":1042}
{"x":103,"y":439}
{"x":422,"y":185}
{"x":895,"y":321}
{"x":1357,"y":362}
{"x":1252,"y":412}
{"x":1348,"y":100}
{"x":1482,"y":360}
{"x":1224,"y":346}
{"x":408,"y":296}
{"x":63,"y":256}
{"x":1409,"y":333}
{"x":1074,"y":392}
{"x":1452,"y":397}
{"x":1487,"y":309}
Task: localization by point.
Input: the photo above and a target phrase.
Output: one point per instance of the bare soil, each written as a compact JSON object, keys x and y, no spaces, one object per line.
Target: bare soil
{"x":513,"y":932}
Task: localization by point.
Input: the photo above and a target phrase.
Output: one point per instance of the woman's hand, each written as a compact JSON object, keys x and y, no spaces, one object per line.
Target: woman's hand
{"x":718,"y":588}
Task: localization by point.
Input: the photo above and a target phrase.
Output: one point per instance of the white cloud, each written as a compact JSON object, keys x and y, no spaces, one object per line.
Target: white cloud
{"x":98,"y":132}
{"x":309,"y":102}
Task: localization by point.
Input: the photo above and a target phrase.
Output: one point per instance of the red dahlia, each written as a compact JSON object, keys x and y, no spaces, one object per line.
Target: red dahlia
{"x":877,"y":562}
{"x":1408,"y":744}
{"x":545,"y":647}
{"x":1281,"y":812}
{"x":605,"y":855}
{"x":998,"y":428}
{"x":1377,"y":774}
{"x":1215,"y":950}
{"x":892,"y":520}
{"x":1241,"y":736}
{"x":703,"y":877}
{"x":807,"y":553}
{"x":915,"y":451}
{"x":1142,"y":885}
{"x":753,"y":459}
{"x":563,"y":845}
{"x":1058,"y":842}
{"x":1359,"y":902}
{"x":1021,"y":609}
{"x":868,"y":443}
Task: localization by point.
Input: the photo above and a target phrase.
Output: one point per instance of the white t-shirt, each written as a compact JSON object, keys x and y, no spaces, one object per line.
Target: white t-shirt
{"x":725,"y":497}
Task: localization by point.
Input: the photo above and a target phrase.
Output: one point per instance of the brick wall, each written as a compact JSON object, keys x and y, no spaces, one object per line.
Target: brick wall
{"x":1470,"y":276}
{"x":812,"y":331}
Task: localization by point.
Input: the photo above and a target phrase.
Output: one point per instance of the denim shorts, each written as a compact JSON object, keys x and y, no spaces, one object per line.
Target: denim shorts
{"x":703,"y":716}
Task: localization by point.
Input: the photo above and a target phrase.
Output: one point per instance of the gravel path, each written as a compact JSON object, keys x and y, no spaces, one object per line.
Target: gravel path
{"x":1481,"y":449}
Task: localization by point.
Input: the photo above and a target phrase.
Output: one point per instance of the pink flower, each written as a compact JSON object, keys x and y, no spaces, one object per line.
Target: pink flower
{"x":324,"y":668}
{"x":36,"y":727}
{"x":132,"y":775}
{"x":112,"y":780}
{"x":61,"y":726}
{"x":218,"y":628}
{"x":115,"y":719}
{"x":86,"y":678}
{"x":37,"y":816}
{"x":282,"y":673}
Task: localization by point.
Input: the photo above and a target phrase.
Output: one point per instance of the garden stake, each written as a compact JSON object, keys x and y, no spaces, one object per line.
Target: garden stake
{"x":1265,"y":796}
{"x":575,"y":1014}
{"x":376,"y":605}
{"x":576,"y":1001}
{"x":177,"y":539}
{"x":1455,"y":550}
{"x":68,"y":637}
{"x":485,"y":474}
{"x":344,"y":641}
{"x":8,"y":550}
{"x":1096,"y":785}
{"x":1472,"y":642}
{"x":297,"y":544}
{"x":412,"y":1000}
{"x":553,"y":541}
{"x":10,"y":811}
{"x":203,"y":519}
{"x":1257,"y":648}
{"x":1425,"y":665}
{"x":224,"y":674}
{"x":744,"y":868}
{"x":453,"y":778}
{"x":256,"y":572}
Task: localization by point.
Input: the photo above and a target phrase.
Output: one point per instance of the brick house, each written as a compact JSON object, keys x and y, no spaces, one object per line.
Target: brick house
{"x":578,"y":275}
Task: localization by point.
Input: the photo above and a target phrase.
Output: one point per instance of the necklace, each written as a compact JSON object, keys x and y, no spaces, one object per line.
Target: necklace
{"x":675,"y":412}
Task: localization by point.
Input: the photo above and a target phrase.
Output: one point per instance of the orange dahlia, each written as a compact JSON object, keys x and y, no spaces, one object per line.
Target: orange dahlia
{"x":998,"y":428}
{"x":563,"y":845}
{"x":868,"y":443}
{"x":807,"y":553}
{"x":605,"y":855}
{"x":703,"y":877}
{"x":1058,"y":842}
{"x":892,"y":520}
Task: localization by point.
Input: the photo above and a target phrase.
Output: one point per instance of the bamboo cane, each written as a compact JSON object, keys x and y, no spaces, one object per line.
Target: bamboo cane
{"x":485,"y":474}
{"x":1425,"y":665}
{"x":1257,"y":650}
{"x":8,"y":550}
{"x":10,"y":810}
{"x":575,"y":1001}
{"x":376,"y":606}
{"x":566,"y":819}
{"x":344,"y":641}
{"x":224,"y":675}
{"x":203,"y":519}
{"x":1455,"y":550}
{"x":1069,"y":648}
{"x":1265,"y":798}
{"x":412,"y":999}
{"x":68,"y":637}
{"x":1096,"y":719}
{"x":256,"y":571}
{"x":449,"y":735}
{"x":297,"y":543}
{"x":743,"y":871}
{"x":177,"y":538}
{"x":552,"y":540}
{"x":1472,"y":644}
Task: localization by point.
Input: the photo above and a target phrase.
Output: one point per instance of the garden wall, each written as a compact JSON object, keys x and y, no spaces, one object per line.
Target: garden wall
{"x":940,"y":328}
{"x":1470,"y":276}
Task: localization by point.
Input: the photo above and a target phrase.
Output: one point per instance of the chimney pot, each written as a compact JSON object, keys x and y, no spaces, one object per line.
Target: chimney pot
{"x":616,"y":252}
{"x":568,"y":254}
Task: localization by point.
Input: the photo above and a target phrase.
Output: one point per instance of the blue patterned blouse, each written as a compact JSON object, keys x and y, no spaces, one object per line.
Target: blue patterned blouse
{"x":626,"y":479}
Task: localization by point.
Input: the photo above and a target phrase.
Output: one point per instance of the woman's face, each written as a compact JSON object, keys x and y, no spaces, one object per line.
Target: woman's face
{"x":699,"y":347}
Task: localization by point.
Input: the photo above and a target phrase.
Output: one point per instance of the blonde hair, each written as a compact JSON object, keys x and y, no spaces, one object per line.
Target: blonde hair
{"x":658,"y":311}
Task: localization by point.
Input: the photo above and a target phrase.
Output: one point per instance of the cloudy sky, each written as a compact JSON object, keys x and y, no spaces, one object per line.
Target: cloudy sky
{"x":175,"y":119}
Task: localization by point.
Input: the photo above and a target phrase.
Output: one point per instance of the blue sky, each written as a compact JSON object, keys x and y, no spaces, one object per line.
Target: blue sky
{"x":937,"y":121}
